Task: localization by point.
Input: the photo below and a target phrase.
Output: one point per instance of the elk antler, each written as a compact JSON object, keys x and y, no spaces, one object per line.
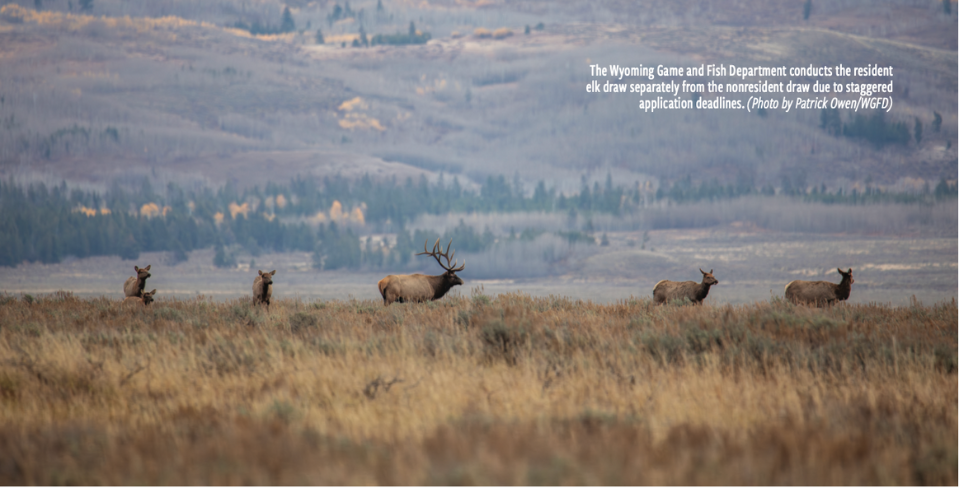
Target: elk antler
{"x":438,"y":252}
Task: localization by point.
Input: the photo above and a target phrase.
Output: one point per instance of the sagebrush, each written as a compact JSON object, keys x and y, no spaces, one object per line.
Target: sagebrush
{"x":482,"y":390}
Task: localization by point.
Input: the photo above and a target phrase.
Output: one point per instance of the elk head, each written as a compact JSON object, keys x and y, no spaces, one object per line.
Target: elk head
{"x":142,"y":273}
{"x":708,"y":278}
{"x":267,"y":278}
{"x":846,"y":274}
{"x":148,"y":296}
{"x":450,"y":278}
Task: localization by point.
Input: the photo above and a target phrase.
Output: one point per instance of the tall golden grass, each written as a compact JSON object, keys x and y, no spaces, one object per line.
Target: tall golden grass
{"x":480,"y":390}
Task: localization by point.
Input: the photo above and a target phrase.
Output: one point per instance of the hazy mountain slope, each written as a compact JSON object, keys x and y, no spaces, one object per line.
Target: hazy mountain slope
{"x":99,"y":98}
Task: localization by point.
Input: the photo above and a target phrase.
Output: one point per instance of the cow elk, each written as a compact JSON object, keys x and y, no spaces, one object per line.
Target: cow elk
{"x":143,"y":301}
{"x":819,"y":293}
{"x":420,"y":288}
{"x":263,"y":287}
{"x":667,"y":290}
{"x":133,"y":287}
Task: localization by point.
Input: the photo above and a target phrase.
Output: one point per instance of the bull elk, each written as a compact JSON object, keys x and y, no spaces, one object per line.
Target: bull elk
{"x":819,"y":293}
{"x":667,"y":290}
{"x":263,"y":287}
{"x":418,"y":287}
{"x":133,"y":287}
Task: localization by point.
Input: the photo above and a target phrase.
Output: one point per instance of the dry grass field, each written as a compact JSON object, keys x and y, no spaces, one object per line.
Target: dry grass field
{"x":481,"y":390}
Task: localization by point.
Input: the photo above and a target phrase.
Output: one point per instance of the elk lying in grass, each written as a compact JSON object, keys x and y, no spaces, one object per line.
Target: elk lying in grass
{"x":133,"y":287}
{"x":667,"y":290}
{"x":819,"y":293}
{"x":263,"y":287}
{"x":143,"y":301}
{"x":418,"y":287}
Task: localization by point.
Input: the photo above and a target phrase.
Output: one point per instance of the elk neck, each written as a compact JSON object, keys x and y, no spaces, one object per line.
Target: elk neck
{"x":441,"y":285}
{"x":702,"y":292}
{"x":843,"y":289}
{"x":263,"y":289}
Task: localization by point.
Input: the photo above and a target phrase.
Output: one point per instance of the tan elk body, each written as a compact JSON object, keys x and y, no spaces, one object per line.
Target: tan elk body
{"x":666,"y":290}
{"x":143,"y":301}
{"x":263,"y":287}
{"x":133,"y":287}
{"x":419,"y":287}
{"x":819,"y":293}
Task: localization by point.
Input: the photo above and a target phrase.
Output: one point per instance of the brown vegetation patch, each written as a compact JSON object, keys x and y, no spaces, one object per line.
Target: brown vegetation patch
{"x":502,"y":390}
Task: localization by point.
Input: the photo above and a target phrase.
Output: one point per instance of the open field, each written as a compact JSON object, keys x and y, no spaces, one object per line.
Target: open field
{"x":482,"y":390}
{"x":751,"y":265}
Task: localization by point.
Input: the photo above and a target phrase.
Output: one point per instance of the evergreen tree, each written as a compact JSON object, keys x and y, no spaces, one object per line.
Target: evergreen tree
{"x":584,"y":201}
{"x":223,"y":260}
{"x":937,"y":120}
{"x":177,"y":252}
{"x":830,"y":121}
{"x":945,"y":190}
{"x":319,"y":37}
{"x":363,"y":37}
{"x":336,"y":14}
{"x":287,"y":24}
{"x":341,"y":249}
{"x":877,"y":130}
{"x":86,"y":5}
{"x":807,"y":6}
{"x":541,"y":199}
{"x":404,"y":246}
{"x":129,"y":248}
{"x":917,"y":130}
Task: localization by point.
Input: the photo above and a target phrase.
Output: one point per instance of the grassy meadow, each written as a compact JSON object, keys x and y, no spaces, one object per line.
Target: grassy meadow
{"x":480,"y":390}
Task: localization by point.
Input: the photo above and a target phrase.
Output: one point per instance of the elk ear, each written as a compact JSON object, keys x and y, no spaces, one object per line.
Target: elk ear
{"x":702,"y":271}
{"x":154,"y":292}
{"x":148,"y":267}
{"x":711,"y":270}
{"x":839,"y":271}
{"x":273,"y":272}
{"x":135,"y":268}
{"x":849,"y":270}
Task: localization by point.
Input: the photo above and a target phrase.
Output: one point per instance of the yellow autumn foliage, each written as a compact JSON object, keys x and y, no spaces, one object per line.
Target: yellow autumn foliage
{"x":149,"y":210}
{"x":89,"y":212}
{"x":238,"y":209}
{"x":357,"y":216}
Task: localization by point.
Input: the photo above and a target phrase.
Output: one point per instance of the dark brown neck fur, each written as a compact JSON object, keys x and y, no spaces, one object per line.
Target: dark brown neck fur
{"x":843,"y":289}
{"x":702,"y":292}
{"x":263,"y":290}
{"x":441,"y":285}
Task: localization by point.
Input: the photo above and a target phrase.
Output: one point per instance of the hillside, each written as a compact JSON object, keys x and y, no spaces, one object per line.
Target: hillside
{"x":171,"y":90}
